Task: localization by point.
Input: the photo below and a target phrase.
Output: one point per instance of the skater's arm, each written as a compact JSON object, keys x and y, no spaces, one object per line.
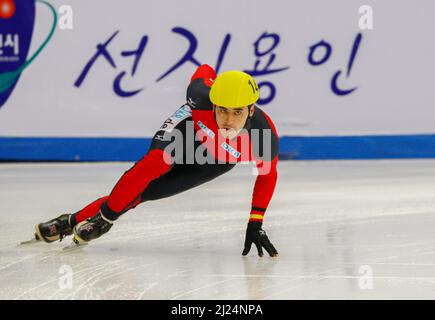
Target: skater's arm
{"x":263,"y":189}
{"x":266,"y":164}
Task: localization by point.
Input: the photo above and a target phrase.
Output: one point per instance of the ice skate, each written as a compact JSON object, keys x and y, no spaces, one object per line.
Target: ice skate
{"x":91,"y":229}
{"x":74,"y":245}
{"x":52,"y":230}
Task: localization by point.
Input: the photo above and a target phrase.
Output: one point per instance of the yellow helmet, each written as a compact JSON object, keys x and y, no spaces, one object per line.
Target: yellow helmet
{"x":234,"y":89}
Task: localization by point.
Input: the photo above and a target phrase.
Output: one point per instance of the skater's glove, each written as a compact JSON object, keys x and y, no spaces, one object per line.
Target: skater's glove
{"x":256,"y":235}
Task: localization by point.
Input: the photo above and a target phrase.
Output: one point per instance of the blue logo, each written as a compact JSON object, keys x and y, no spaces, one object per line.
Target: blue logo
{"x":230,"y":150}
{"x":206,"y":129}
{"x":183,"y":112}
{"x":17,"y":21}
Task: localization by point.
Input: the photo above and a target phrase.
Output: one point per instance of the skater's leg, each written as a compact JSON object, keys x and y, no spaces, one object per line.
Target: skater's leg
{"x":125,"y":195}
{"x":127,"y":192}
{"x":179,"y":179}
{"x":182,"y":178}
{"x":87,"y":212}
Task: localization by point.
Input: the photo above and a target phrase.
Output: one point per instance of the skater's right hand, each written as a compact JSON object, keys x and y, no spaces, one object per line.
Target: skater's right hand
{"x":256,"y":235}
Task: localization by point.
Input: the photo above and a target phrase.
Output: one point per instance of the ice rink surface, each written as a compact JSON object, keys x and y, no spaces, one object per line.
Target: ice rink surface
{"x":344,"y":230}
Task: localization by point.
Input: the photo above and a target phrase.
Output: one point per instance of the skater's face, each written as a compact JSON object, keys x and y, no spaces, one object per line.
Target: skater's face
{"x":231,"y":120}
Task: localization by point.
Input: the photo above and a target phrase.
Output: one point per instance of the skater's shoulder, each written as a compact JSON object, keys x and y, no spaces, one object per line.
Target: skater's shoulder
{"x":197,"y":95}
{"x":261,"y":120}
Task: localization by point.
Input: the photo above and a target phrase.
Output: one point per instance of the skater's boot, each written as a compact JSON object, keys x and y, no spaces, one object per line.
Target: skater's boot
{"x":53,"y":230}
{"x":91,"y":228}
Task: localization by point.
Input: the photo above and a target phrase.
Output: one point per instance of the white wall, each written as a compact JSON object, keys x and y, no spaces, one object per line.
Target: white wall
{"x":393,"y":69}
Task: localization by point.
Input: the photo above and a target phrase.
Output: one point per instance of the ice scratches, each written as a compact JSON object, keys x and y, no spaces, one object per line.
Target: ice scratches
{"x":327,"y":219}
{"x":89,"y":284}
{"x":27,"y":294}
{"x":18,"y":261}
{"x":146,"y":290}
{"x":188,"y":292}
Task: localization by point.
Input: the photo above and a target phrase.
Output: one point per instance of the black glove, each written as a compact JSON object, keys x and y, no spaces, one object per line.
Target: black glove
{"x":256,"y":235}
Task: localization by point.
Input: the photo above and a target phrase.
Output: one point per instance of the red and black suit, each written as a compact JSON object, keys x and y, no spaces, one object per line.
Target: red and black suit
{"x":161,"y":174}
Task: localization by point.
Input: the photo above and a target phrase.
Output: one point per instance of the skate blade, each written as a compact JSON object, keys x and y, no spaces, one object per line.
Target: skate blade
{"x":35,"y":239}
{"x":74,"y":246}
{"x":32,"y":241}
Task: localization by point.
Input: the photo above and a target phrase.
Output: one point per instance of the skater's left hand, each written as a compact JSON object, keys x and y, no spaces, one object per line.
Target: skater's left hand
{"x":256,"y":235}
